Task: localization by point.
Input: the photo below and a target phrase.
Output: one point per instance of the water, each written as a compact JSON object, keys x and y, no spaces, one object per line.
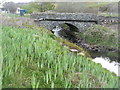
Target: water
{"x":111,"y":66}
{"x":56,"y":31}
{"x":105,"y":62}
{"x":108,"y":60}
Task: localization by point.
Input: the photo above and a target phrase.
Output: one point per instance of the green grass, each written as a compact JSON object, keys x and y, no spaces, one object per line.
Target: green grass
{"x":100,"y":35}
{"x":13,"y":16}
{"x":1,"y":57}
{"x":108,"y":14}
{"x":97,"y":5}
{"x":36,"y":59}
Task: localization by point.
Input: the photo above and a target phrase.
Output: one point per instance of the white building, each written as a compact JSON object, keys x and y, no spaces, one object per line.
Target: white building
{"x":2,"y":10}
{"x":18,"y":11}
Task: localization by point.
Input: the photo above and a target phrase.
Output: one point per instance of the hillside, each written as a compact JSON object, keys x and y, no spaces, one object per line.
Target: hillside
{"x":34,"y":58}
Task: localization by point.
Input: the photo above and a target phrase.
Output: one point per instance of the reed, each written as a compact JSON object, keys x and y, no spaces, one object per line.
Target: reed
{"x":35,"y":59}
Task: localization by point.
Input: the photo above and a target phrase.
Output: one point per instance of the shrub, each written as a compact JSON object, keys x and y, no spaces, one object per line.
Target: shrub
{"x":100,"y":35}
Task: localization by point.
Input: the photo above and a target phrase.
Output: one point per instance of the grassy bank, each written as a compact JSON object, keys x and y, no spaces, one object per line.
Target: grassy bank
{"x":1,"y":57}
{"x":33,"y":58}
{"x":101,"y":36}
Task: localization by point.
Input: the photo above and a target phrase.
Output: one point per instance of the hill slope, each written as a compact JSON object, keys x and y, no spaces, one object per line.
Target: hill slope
{"x":34,"y":58}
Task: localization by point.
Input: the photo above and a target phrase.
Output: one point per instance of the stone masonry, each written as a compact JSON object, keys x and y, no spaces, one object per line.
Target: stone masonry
{"x":81,"y":21}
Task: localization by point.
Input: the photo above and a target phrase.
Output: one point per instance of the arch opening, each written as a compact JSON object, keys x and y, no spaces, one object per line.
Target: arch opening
{"x":66,"y":31}
{"x":70,"y":27}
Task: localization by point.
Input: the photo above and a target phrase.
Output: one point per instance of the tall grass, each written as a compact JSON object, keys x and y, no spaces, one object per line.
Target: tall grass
{"x":98,"y":5}
{"x":33,"y":59}
{"x":1,"y":57}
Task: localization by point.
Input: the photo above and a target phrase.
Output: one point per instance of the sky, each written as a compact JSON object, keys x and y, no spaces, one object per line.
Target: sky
{"x":16,"y":1}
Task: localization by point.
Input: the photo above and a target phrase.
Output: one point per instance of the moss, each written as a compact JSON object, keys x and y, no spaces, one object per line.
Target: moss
{"x":64,"y":26}
{"x":72,"y":46}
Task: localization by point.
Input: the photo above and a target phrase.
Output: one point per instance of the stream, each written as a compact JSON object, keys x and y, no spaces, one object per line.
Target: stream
{"x":104,"y":58}
{"x":106,"y":63}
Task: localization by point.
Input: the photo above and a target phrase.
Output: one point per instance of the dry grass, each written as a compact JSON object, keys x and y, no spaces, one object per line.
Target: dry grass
{"x":20,"y":22}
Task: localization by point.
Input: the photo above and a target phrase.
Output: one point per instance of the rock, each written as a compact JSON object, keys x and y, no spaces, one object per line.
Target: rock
{"x":81,"y":54}
{"x":35,"y":36}
{"x":73,"y":50}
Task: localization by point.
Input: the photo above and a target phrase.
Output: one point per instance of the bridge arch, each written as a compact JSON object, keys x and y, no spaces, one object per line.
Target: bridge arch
{"x":65,"y":25}
{"x":68,"y":31}
{"x":72,"y":27}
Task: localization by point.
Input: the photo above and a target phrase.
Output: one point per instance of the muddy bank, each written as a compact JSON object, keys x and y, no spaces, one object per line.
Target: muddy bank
{"x":98,"y":51}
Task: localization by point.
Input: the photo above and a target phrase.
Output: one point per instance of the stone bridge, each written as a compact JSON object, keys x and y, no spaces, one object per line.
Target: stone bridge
{"x":76,"y":21}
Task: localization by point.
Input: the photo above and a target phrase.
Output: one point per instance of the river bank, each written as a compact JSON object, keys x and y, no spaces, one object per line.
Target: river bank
{"x":102,"y":49}
{"x":97,"y":51}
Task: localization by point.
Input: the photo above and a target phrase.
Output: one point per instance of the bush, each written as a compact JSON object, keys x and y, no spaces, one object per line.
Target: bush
{"x":38,"y":7}
{"x":100,"y":35}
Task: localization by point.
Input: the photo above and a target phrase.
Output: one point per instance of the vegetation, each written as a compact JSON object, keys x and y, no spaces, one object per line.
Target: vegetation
{"x":34,"y":58}
{"x":80,"y":7}
{"x":108,"y":14}
{"x":100,"y":35}
{"x":100,"y":8}
{"x":1,"y":58}
{"x":97,"y":4}
{"x":38,"y":7}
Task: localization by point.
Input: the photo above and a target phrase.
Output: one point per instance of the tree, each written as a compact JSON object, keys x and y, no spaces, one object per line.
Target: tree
{"x":31,"y":7}
{"x":45,"y":6}
{"x":38,"y":7}
{"x":10,"y":6}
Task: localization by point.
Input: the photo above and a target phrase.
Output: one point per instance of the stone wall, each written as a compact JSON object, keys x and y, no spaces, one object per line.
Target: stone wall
{"x":108,"y":20}
{"x":67,"y":16}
